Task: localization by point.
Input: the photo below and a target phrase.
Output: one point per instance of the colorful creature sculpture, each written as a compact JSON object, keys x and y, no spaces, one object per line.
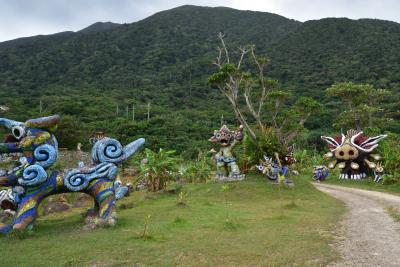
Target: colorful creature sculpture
{"x":274,"y":170}
{"x":271,"y":168}
{"x":289,"y":158}
{"x":352,"y":153}
{"x":320,"y":173}
{"x":31,"y":181}
{"x":227,"y":168}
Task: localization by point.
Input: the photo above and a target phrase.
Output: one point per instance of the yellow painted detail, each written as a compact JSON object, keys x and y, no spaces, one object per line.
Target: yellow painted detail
{"x":41,"y":138}
{"x":28,"y":205}
{"x":27,"y":142}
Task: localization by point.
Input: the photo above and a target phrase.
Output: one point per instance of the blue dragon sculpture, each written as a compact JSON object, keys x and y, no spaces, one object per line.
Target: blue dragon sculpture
{"x":31,"y":181}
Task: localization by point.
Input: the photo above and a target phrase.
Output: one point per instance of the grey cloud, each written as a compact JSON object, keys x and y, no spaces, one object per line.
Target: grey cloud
{"x":315,"y":9}
{"x":19,"y":18}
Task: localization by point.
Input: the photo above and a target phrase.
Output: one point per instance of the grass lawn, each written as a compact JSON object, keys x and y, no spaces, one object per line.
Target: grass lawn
{"x":366,"y":184}
{"x":251,"y":228}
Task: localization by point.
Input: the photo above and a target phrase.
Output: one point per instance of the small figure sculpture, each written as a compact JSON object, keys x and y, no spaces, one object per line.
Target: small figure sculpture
{"x":270,"y":167}
{"x":378,"y":172}
{"x":352,"y":153}
{"x":225,"y":158}
{"x":274,"y":169}
{"x":31,"y":181}
{"x":320,"y":173}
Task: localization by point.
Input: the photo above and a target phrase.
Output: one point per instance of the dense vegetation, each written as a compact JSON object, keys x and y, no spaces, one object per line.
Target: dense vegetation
{"x":91,"y":77}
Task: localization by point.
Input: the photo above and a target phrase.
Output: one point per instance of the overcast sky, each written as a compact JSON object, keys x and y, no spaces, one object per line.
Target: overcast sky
{"x":20,"y":18}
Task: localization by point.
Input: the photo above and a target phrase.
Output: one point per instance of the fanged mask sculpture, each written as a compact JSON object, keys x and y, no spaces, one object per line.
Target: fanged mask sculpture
{"x":352,"y":153}
{"x":31,"y":181}
{"x":225,"y":158}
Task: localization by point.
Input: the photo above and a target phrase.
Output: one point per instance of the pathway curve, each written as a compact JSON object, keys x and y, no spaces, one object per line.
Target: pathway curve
{"x":369,"y":236}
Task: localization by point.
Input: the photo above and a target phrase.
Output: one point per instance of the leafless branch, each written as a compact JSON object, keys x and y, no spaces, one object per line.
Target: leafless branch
{"x":243,"y":52}
{"x":218,"y":60}
{"x":221,"y":38}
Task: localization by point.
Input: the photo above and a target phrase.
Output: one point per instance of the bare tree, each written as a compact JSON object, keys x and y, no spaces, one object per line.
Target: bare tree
{"x":254,"y":87}
{"x":235,"y":80}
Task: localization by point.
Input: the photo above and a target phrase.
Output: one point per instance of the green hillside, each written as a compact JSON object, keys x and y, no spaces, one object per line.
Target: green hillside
{"x":328,"y":50}
{"x":165,"y":60}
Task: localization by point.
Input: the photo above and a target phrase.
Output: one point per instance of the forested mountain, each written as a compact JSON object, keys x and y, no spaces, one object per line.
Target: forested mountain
{"x":92,"y":76}
{"x":321,"y":52}
{"x":99,"y":27}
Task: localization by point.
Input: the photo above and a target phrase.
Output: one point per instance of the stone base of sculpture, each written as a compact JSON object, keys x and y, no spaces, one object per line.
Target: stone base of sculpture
{"x":233,"y":178}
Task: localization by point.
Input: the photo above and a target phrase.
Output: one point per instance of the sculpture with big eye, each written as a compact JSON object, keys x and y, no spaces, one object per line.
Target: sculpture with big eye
{"x":32,"y":180}
{"x":225,"y":158}
{"x":352,"y":153}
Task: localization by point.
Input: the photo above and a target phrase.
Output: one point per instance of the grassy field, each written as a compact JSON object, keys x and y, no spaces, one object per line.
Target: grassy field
{"x":247,"y":225}
{"x":366,"y":184}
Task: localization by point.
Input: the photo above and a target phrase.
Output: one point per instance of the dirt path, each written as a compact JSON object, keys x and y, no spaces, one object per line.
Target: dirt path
{"x":369,"y":236}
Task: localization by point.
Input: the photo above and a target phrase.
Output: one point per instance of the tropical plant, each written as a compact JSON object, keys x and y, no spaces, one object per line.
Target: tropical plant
{"x":158,"y":168}
{"x":267,"y":145}
{"x":145,"y":232}
{"x":390,"y":151}
{"x":199,"y":170}
{"x":181,"y":198}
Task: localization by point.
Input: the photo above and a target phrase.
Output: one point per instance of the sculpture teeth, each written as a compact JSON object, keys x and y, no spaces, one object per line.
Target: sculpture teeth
{"x":357,"y":177}
{"x":332,"y":164}
{"x":376,"y":157}
{"x":370,"y":164}
{"x":341,"y":165}
{"x":341,"y":176}
{"x":346,"y":176}
{"x":354,"y":166}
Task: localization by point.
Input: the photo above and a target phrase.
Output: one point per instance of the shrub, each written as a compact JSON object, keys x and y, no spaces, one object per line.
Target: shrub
{"x":199,"y":170}
{"x":389,"y":148}
{"x":158,"y":169}
{"x":267,"y":144}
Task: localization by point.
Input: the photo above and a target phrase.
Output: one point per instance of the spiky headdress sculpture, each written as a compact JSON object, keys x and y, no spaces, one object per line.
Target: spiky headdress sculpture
{"x":352,"y":153}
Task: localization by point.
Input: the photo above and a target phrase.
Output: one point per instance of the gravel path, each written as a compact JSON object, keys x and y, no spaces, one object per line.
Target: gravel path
{"x":368,"y":236}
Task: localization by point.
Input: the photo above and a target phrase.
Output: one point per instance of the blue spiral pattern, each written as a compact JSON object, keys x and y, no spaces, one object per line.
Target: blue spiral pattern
{"x":33,"y":175}
{"x":79,"y":179}
{"x":110,"y":150}
{"x":107,"y":150}
{"x":45,"y":155}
